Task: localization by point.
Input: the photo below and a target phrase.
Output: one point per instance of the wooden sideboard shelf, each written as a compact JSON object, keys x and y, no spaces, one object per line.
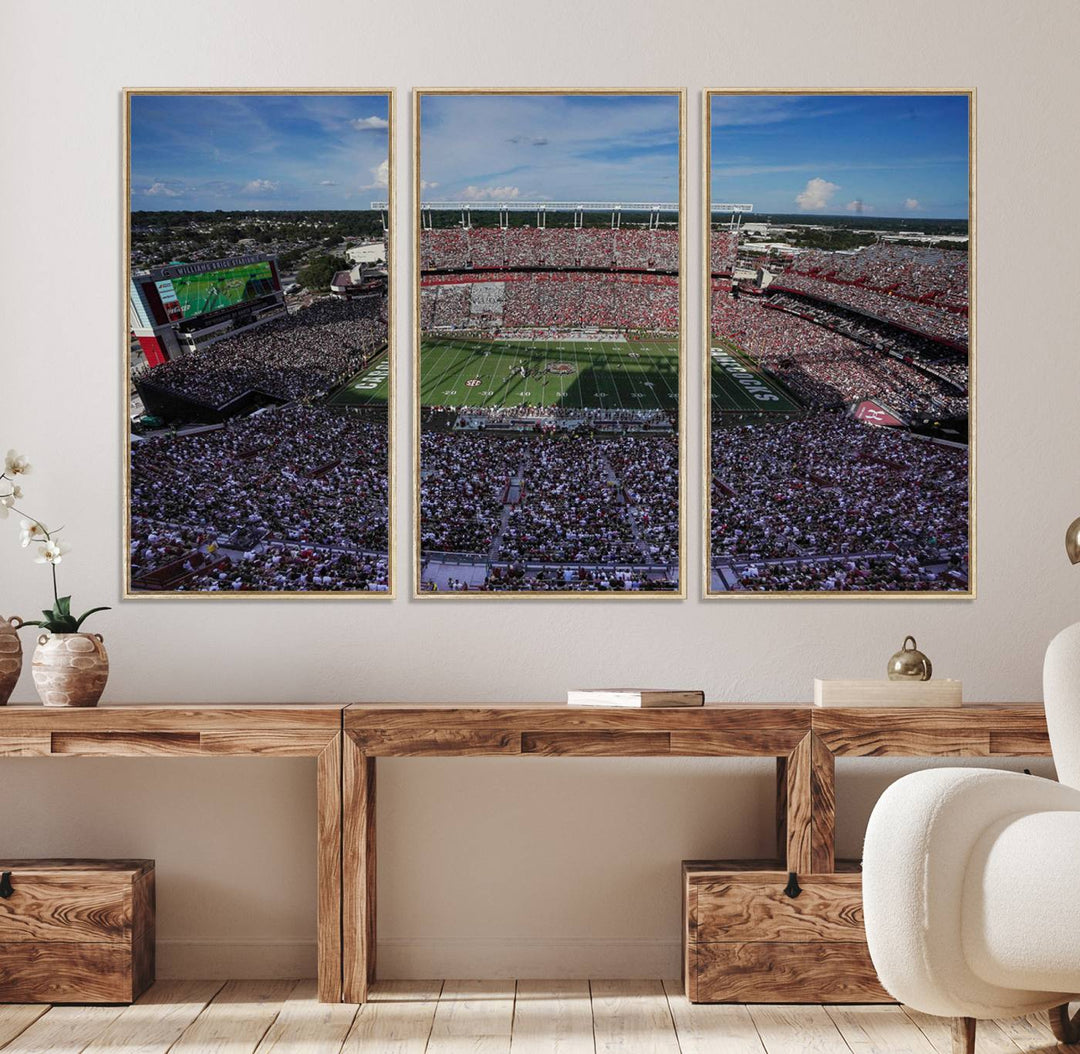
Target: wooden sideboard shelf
{"x":346,"y":740}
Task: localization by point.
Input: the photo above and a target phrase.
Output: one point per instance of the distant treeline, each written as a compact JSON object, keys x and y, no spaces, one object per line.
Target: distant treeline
{"x":860,"y":222}
{"x":348,"y":223}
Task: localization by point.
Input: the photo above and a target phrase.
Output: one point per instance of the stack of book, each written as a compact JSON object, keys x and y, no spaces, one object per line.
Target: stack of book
{"x":634,"y":697}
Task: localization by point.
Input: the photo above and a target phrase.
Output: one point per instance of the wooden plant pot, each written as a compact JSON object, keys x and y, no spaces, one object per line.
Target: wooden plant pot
{"x":10,"y":656}
{"x":70,"y":669}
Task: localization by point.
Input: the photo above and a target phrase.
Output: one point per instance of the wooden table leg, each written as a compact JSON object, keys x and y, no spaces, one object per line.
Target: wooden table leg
{"x":823,"y":819}
{"x":329,"y":852}
{"x":806,"y":807}
{"x":358,"y":889}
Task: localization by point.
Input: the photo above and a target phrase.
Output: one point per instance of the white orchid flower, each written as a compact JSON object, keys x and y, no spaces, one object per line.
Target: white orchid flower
{"x":31,"y":531}
{"x":8,"y":498}
{"x":52,"y":552}
{"x":16,"y":464}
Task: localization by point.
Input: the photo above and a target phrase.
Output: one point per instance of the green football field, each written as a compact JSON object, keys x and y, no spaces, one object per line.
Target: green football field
{"x":207,"y":292}
{"x":739,"y":384}
{"x":638,"y":375}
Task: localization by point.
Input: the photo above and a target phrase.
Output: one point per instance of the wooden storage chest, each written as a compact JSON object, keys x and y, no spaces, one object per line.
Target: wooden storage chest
{"x":76,"y":931}
{"x":747,"y":940}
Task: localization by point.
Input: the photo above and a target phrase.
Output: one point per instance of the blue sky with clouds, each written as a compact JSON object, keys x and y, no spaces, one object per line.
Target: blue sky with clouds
{"x":258,"y":151}
{"x":550,"y":147}
{"x":881,"y":155}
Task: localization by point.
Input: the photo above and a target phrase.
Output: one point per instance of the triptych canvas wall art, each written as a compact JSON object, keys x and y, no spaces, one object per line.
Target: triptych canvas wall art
{"x":839,"y":365}
{"x":549,"y":323}
{"x":549,"y":307}
{"x":258,"y":372}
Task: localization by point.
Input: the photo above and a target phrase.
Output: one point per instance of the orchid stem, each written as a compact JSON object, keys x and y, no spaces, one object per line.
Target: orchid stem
{"x":55,"y":591}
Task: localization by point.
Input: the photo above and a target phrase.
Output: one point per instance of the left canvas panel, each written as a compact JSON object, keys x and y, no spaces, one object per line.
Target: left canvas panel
{"x":258,"y":343}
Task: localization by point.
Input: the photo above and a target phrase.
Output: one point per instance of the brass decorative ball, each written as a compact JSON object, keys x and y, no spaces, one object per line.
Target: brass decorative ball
{"x":909,"y":664}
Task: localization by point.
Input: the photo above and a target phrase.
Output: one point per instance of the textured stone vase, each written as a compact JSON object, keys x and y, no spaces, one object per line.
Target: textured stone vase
{"x":70,"y":669}
{"x":10,"y":656}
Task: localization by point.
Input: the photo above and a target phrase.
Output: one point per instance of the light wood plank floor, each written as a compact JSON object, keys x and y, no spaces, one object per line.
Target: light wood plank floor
{"x":484,"y":1017}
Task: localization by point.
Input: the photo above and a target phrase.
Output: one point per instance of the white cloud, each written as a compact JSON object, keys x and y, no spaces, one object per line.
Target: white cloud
{"x":365,"y":124}
{"x":911,"y":204}
{"x":471,"y":193}
{"x":164,"y":190}
{"x":260,"y":186}
{"x":327,"y":183}
{"x":817,"y":194}
{"x":428,"y":184}
{"x":380,"y":175}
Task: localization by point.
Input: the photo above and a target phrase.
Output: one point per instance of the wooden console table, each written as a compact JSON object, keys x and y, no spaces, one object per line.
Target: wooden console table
{"x":200,"y":730}
{"x":805,"y":740}
{"x":347,"y":740}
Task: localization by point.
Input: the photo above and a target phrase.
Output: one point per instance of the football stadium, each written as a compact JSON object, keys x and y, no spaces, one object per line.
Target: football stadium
{"x":246,"y":475}
{"x":839,"y":436}
{"x":549,"y":398}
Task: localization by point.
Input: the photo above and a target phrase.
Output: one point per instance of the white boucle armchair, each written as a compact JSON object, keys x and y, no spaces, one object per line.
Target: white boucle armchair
{"x":971,"y":880}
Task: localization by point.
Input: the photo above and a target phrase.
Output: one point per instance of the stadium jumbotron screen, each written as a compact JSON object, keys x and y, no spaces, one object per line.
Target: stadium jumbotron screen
{"x":186,"y":296}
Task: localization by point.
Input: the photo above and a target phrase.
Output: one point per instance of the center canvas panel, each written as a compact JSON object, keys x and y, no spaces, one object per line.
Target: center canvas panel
{"x":549,"y":343}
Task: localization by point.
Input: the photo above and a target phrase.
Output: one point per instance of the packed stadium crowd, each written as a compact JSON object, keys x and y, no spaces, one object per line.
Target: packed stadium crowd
{"x":295,"y":568}
{"x":723,"y":248}
{"x":297,"y":356}
{"x":941,"y":359}
{"x":497,"y":248}
{"x":517,"y":577}
{"x":558,"y":416}
{"x":464,"y":480}
{"x":551,"y":499}
{"x":889,"y":508}
{"x":938,"y":276}
{"x":558,"y":300}
{"x":883,"y":574}
{"x":925,"y":290}
{"x":297,"y":495}
{"x":826,"y":368}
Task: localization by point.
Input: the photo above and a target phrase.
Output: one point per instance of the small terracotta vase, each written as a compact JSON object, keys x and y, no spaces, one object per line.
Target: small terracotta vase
{"x":10,"y":656}
{"x":70,"y":669}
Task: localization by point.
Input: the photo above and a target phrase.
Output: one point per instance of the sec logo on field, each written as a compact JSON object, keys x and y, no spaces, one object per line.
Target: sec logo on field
{"x":560,"y":367}
{"x":474,"y":383}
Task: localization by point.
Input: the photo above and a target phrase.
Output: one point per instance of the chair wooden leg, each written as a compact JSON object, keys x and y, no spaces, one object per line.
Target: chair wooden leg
{"x":963,"y":1035}
{"x":1066,"y":1029}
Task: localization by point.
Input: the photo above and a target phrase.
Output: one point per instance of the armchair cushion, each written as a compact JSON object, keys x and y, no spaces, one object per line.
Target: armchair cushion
{"x":1021,"y":902}
{"x":920,"y":842}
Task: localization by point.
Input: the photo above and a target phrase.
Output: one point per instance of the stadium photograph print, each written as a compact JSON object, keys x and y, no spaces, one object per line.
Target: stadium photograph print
{"x":839,"y":343}
{"x":258,"y":343}
{"x":549,"y":343}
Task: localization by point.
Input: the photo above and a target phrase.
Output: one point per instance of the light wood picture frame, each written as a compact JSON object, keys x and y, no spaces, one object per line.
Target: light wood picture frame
{"x":839,"y":343}
{"x":549,"y":343}
{"x":258,"y":356}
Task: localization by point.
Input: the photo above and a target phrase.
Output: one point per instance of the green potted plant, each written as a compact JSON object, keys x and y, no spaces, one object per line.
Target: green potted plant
{"x":70,"y":667}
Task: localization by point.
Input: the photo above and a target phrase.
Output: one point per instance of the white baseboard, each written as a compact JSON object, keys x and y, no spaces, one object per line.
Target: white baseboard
{"x":417,"y":958}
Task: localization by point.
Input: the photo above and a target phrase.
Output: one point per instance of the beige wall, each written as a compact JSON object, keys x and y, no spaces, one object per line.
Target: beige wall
{"x":543,"y":866}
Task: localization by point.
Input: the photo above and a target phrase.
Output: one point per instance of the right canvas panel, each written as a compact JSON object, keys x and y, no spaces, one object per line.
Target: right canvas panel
{"x":840,"y":344}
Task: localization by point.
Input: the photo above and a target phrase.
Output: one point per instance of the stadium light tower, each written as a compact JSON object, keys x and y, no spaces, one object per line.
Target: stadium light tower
{"x":735,"y":209}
